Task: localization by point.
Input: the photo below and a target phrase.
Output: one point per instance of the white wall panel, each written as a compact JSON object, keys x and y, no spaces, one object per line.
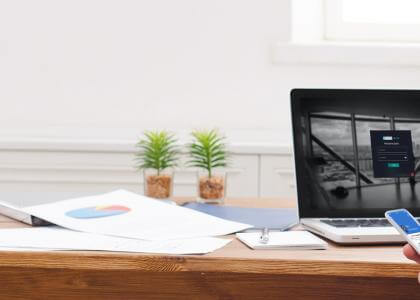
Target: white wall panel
{"x":82,"y":172}
{"x":277,"y":176}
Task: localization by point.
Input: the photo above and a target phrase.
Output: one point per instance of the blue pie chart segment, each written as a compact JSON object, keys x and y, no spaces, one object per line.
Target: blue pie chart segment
{"x":94,"y":212}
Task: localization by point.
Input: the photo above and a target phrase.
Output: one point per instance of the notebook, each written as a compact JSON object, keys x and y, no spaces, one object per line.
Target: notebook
{"x":287,"y":240}
{"x":16,"y":213}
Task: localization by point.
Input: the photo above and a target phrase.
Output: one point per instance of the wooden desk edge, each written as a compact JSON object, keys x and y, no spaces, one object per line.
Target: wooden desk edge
{"x":166,"y":263}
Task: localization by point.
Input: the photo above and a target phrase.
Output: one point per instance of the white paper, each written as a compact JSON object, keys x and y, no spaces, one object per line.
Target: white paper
{"x":147,"y":218}
{"x":56,"y":238}
{"x":14,"y":249}
{"x":283,"y":240}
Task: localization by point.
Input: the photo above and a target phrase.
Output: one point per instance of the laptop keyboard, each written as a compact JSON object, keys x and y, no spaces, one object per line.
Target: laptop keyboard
{"x":365,"y":222}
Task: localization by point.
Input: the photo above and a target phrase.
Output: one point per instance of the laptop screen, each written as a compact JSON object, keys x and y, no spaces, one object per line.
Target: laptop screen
{"x":357,"y":152}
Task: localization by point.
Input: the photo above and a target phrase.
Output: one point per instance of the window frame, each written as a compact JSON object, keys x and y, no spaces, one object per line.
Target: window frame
{"x":335,"y":29}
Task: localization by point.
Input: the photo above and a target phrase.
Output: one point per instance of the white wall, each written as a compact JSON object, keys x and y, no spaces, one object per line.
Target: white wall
{"x":81,"y":79}
{"x":99,"y":64}
{"x":111,"y":68}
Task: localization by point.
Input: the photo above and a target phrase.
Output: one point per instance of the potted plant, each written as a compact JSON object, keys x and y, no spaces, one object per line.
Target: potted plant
{"x":157,"y":154}
{"x":207,"y":152}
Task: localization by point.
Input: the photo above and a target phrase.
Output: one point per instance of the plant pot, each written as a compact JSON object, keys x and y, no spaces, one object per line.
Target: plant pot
{"x":158,"y":186}
{"x":211,"y":189}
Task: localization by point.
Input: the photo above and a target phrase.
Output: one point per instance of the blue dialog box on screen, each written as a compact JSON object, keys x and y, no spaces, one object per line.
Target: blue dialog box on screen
{"x":392,"y":153}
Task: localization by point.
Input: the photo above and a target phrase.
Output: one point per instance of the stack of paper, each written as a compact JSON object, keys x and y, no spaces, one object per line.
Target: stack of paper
{"x":290,"y":240}
{"x":56,"y":238}
{"x":121,"y":221}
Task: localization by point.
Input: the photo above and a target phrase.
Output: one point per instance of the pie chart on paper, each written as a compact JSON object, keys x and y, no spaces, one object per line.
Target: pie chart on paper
{"x":94,"y":212}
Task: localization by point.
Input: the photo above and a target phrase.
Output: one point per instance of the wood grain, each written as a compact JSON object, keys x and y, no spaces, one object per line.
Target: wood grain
{"x":117,"y":284}
{"x":233,"y":272}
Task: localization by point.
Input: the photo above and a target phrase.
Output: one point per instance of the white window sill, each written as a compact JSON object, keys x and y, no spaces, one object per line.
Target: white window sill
{"x":383,"y":54}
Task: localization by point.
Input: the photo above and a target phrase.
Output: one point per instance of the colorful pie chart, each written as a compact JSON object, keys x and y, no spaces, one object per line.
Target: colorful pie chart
{"x":94,"y":212}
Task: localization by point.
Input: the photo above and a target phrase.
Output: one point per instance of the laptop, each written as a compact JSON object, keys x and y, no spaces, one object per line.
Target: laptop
{"x":357,"y":155}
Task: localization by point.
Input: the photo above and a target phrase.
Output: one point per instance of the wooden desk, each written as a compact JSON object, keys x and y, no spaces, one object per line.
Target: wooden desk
{"x":234,"y":272}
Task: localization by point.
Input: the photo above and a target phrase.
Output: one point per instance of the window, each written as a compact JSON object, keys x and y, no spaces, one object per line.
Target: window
{"x":372,"y":20}
{"x":363,"y":32}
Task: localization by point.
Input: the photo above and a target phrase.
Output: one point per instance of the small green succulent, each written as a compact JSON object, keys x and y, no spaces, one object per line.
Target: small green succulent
{"x":157,"y":150}
{"x":208,"y":150}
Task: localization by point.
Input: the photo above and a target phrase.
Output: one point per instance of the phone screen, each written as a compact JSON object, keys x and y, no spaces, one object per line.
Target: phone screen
{"x":408,"y":224}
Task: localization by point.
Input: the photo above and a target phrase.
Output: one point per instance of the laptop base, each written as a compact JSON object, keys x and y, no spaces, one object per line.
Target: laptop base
{"x":353,"y":235}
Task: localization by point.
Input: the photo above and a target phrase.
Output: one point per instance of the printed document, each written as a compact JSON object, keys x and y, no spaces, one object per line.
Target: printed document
{"x":56,"y":238}
{"x":125,"y":214}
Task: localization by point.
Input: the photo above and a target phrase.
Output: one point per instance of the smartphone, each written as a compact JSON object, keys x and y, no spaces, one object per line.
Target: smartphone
{"x":406,"y":225}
